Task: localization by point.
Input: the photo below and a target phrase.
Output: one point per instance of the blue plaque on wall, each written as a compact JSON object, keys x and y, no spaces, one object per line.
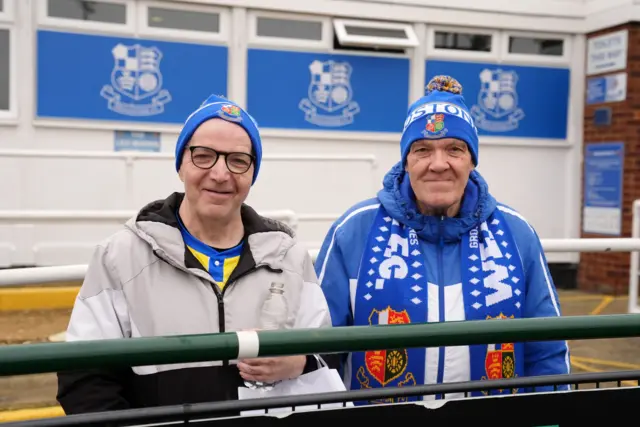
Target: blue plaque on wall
{"x":602,"y":116}
{"x":603,"y":188}
{"x":136,"y":141}
{"x":93,"y":77}
{"x":510,"y":100}
{"x":303,"y":90}
{"x":610,"y":88}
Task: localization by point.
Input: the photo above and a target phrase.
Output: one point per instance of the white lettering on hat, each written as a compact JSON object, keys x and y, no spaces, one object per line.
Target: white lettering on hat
{"x":202,"y":107}
{"x":439,"y":107}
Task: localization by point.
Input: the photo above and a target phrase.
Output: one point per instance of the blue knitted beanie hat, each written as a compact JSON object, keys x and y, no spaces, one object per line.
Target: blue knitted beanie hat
{"x":441,"y":113}
{"x":217,"y":106}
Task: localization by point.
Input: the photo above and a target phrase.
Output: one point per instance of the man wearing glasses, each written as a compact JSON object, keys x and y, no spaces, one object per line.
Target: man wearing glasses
{"x":196,"y":262}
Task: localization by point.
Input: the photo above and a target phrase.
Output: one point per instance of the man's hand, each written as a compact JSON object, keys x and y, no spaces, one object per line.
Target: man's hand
{"x":272,"y":369}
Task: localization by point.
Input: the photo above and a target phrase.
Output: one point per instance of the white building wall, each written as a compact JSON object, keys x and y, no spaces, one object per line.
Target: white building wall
{"x":316,"y":174}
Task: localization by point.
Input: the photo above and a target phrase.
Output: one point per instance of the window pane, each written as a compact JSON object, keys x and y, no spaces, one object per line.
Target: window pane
{"x":289,"y":29}
{"x":184,"y":20}
{"x":375,"y":32}
{"x":4,"y":69}
{"x":88,"y":11}
{"x":463,"y":41}
{"x":533,"y":46}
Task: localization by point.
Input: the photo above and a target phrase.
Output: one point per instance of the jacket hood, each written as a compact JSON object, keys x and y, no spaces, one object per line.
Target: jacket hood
{"x":398,"y":199}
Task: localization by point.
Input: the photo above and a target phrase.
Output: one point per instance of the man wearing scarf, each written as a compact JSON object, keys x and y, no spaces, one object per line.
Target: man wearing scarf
{"x":435,"y":246}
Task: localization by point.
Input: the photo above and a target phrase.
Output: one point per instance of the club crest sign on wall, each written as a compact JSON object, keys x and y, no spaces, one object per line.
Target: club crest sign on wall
{"x":136,"y":81}
{"x":497,"y":108}
{"x":330,"y":98}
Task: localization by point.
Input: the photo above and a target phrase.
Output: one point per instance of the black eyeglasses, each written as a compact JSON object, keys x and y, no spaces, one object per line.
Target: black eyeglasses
{"x":206,"y":158}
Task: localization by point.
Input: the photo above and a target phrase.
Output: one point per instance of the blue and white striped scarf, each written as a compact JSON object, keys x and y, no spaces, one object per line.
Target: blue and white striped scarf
{"x":392,"y":289}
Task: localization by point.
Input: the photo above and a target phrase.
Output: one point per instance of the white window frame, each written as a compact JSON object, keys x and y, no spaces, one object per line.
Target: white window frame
{"x":345,"y":39}
{"x":564,"y":59}
{"x":11,"y":114}
{"x":255,"y":40}
{"x":432,"y":51}
{"x":78,"y":25}
{"x":173,"y":33}
{"x":7,"y":15}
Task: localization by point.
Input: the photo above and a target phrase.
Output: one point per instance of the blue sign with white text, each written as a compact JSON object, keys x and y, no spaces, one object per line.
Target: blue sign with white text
{"x":136,"y":141}
{"x":303,"y":90}
{"x":604,"y":163}
{"x":510,"y":100}
{"x":611,"y":88}
{"x":82,"y":76}
{"x":603,"y":187}
{"x":596,"y":90}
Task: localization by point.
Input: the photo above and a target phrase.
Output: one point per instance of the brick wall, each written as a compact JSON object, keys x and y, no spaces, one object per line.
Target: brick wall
{"x":609,"y":272}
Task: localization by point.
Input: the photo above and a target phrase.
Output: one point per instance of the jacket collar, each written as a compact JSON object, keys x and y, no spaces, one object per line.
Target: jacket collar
{"x":266,"y":240}
{"x":398,"y":199}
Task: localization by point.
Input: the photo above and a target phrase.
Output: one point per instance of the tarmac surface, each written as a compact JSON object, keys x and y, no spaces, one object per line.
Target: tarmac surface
{"x":33,"y":396}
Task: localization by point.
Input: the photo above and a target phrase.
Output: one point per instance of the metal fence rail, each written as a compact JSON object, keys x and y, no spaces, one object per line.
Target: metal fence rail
{"x":53,"y":357}
{"x":194,"y":412}
{"x":70,"y":273}
{"x":56,"y":357}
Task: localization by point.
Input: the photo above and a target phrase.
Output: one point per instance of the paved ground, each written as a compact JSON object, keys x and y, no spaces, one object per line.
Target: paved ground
{"x":23,"y":327}
{"x":39,"y":390}
{"x":600,"y":355}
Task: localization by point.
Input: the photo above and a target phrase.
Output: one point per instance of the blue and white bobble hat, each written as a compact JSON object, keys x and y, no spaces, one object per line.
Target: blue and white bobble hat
{"x":441,"y":113}
{"x":217,"y":106}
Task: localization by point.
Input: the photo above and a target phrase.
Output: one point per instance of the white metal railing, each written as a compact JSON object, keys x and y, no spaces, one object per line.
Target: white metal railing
{"x":634,"y":264}
{"x":33,"y":275}
{"x":287,"y":216}
{"x":72,"y":273}
{"x":578,"y":245}
{"x":130,"y":157}
{"x":24,"y":240}
{"x":165,"y":155}
{"x":591,"y":245}
{"x":15,"y":216}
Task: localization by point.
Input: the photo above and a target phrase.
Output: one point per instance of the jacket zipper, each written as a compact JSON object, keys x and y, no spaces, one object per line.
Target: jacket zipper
{"x":441,"y":305}
{"x":220,"y":298}
{"x":219,"y":295}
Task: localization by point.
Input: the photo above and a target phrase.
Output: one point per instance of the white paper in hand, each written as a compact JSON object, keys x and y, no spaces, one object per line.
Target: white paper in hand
{"x":323,"y":380}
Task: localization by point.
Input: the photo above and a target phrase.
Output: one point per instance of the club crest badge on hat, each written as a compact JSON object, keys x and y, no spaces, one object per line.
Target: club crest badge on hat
{"x":230,"y":112}
{"x":435,"y":126}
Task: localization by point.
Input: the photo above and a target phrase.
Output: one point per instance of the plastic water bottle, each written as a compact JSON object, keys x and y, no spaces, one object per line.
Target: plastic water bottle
{"x":274,"y":308}
{"x":273,"y":316}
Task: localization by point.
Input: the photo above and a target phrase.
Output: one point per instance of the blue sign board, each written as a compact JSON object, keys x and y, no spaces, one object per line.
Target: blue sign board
{"x":303,"y":90}
{"x":603,"y":191}
{"x":612,"y":88}
{"x":136,"y":141}
{"x":82,"y":76}
{"x":509,"y":100}
{"x":602,"y":116}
